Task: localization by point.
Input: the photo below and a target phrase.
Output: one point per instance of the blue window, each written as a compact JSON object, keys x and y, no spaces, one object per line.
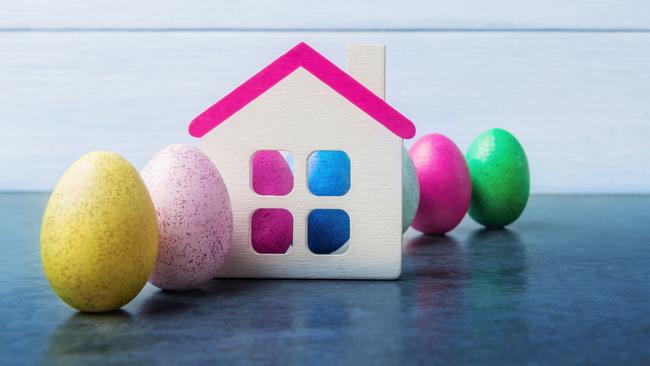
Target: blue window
{"x":328,"y":230}
{"x":328,"y":173}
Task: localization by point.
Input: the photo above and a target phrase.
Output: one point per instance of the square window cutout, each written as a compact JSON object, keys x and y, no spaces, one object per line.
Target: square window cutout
{"x":271,"y":172}
{"x":271,"y":230}
{"x":328,"y":173}
{"x":328,"y":231}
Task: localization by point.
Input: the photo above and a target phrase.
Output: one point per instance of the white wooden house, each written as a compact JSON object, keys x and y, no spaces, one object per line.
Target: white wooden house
{"x":302,"y":103}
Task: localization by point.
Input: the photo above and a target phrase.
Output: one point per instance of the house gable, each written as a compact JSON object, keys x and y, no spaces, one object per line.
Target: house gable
{"x":306,"y":57}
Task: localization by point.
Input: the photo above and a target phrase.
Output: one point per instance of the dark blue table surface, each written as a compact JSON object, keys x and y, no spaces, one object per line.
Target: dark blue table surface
{"x":569,"y":283}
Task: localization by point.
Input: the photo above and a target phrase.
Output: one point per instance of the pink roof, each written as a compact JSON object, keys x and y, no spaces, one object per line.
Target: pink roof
{"x":325,"y":71}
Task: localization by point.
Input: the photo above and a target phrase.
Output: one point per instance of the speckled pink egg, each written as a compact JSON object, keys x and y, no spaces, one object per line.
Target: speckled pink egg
{"x":445,"y":184}
{"x":194,"y":217}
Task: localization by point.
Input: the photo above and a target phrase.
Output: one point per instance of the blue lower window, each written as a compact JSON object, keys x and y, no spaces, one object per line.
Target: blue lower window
{"x":327,"y":230}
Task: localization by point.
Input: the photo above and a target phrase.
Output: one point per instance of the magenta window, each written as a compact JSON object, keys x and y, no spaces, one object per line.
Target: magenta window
{"x":271,"y":230}
{"x":271,"y":173}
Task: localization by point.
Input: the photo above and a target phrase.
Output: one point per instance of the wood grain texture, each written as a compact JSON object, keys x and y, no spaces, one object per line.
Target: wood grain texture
{"x":325,"y":15}
{"x":577,"y":102}
{"x":367,"y":64}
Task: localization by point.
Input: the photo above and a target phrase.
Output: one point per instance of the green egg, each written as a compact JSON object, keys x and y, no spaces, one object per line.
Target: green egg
{"x":500,"y":178}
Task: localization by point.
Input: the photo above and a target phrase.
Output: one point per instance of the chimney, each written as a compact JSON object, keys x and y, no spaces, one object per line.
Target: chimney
{"x":367,"y":64}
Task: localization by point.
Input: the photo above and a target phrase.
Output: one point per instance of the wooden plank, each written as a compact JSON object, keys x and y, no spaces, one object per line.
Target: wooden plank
{"x":578,"y":102}
{"x":323,"y":15}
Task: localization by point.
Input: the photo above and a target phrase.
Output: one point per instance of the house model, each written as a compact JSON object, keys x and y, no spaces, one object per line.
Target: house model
{"x":303,"y":104}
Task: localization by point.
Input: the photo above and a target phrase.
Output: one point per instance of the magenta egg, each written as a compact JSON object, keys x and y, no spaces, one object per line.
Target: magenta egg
{"x":445,"y":184}
{"x":195,"y":220}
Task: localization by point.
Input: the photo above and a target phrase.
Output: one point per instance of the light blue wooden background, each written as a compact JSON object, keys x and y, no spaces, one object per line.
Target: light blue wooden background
{"x":571,"y":79}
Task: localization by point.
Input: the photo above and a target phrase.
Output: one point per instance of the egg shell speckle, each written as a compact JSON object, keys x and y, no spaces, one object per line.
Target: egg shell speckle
{"x":445,"y":184}
{"x":500,"y":178}
{"x":99,"y":234}
{"x":194,"y":217}
{"x":410,"y":191}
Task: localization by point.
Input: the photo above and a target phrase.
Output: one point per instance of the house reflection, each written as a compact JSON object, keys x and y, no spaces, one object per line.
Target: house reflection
{"x":449,"y":294}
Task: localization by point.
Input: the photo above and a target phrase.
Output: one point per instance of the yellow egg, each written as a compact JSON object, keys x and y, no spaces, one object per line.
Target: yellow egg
{"x":99,"y":235}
